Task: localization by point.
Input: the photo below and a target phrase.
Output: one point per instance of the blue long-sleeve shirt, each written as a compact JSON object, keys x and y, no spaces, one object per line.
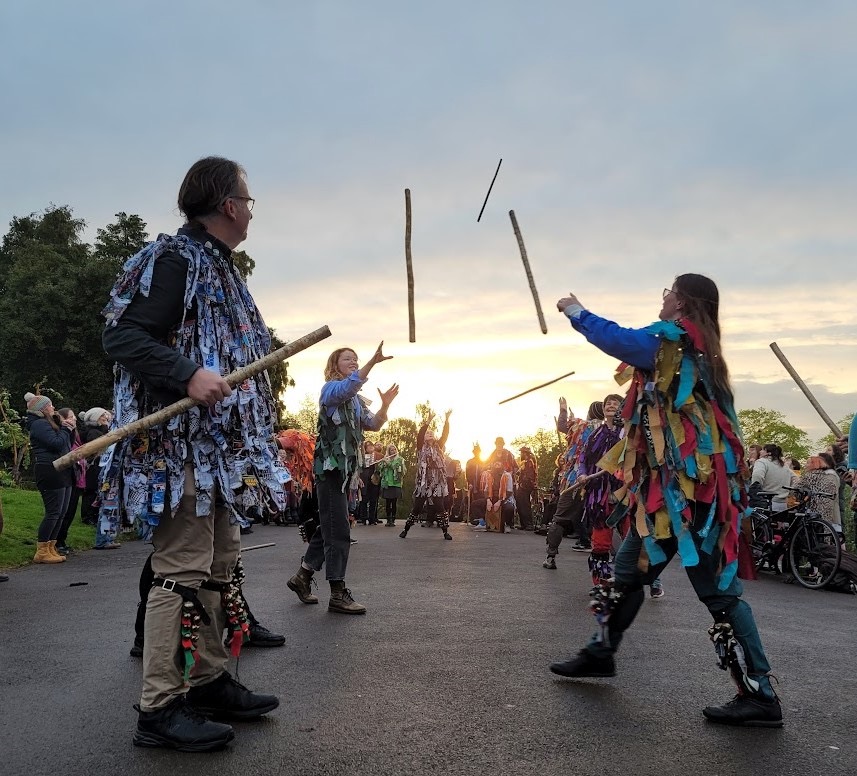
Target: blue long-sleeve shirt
{"x":637,"y":347}
{"x":334,"y":393}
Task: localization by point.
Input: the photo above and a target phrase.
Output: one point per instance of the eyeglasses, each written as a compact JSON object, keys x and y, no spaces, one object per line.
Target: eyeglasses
{"x":249,"y":200}
{"x":667,"y":292}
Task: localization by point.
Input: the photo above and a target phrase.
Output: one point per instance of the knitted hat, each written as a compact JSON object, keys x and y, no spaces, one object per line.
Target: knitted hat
{"x":36,"y":404}
{"x":92,"y":416}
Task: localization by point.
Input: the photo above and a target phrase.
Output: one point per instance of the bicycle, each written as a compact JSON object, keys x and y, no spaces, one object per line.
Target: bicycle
{"x":797,"y":540}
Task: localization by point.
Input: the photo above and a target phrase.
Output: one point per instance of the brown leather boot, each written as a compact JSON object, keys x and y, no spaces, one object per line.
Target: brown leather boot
{"x":341,"y":600}
{"x":301,"y":583}
{"x":44,"y":555}
{"x":52,"y":547}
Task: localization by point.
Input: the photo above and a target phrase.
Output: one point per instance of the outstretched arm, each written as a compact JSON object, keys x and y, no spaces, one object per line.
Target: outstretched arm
{"x":445,"y":435}
{"x":636,"y":347}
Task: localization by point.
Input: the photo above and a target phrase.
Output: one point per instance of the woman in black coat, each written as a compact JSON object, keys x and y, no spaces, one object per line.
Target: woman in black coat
{"x":50,"y":438}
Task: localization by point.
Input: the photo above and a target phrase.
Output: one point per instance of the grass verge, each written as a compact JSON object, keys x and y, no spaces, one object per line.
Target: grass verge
{"x":22,"y":513}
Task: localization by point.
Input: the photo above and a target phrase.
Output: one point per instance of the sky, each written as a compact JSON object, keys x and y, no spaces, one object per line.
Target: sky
{"x":639,"y":141}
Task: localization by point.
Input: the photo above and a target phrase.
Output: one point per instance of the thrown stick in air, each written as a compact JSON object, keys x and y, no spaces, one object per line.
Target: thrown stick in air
{"x":837,"y":432}
{"x":529,"y":272}
{"x":530,"y":390}
{"x":489,"y":191}
{"x":412,"y":326}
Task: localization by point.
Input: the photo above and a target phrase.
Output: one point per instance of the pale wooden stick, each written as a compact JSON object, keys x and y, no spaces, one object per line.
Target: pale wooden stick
{"x":412,"y":326}
{"x":183,"y":405}
{"x":258,"y":546}
{"x":529,"y":272}
{"x":530,"y":390}
{"x":837,"y":432}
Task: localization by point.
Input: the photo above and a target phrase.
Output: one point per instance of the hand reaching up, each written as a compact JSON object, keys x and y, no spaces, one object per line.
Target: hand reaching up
{"x":391,"y":393}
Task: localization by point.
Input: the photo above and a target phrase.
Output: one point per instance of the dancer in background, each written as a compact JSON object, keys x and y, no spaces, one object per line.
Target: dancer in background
{"x":430,"y":489}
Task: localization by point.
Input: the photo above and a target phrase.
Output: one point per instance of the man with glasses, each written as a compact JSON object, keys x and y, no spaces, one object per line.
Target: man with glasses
{"x":180,"y":318}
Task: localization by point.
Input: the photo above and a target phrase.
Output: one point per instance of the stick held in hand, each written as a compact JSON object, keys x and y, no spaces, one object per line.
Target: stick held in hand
{"x":161,"y":416}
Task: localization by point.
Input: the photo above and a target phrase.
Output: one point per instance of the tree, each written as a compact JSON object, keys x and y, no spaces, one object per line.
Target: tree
{"x":762,"y":426}
{"x":305,"y":419}
{"x":545,"y":446}
{"x":14,"y":442}
{"x":280,"y":380}
{"x":54,"y":287}
{"x":243,"y":263}
{"x":844,"y":424}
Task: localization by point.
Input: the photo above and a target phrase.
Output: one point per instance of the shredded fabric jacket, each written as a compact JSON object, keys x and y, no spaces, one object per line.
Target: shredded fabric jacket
{"x":430,"y":481}
{"x":680,"y":444}
{"x":230,"y":445}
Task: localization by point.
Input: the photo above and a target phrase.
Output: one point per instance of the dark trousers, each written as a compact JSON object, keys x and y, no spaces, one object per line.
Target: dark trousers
{"x":567,"y":517}
{"x":330,"y":544}
{"x":70,"y":512}
{"x":525,"y":507}
{"x":368,"y":510}
{"x":56,"y":504}
{"x":390,"y":504}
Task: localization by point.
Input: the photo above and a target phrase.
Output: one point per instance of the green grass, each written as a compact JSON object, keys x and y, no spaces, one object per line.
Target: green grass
{"x":22,"y":513}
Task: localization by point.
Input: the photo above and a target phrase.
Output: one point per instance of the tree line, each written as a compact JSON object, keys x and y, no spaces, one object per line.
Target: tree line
{"x":53,"y":286}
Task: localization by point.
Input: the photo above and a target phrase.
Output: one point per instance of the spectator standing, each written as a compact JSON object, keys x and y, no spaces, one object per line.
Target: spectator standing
{"x":50,"y":438}
{"x":392,"y":470}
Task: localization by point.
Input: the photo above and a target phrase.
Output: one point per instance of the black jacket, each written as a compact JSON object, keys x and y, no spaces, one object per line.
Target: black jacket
{"x":46,"y":445}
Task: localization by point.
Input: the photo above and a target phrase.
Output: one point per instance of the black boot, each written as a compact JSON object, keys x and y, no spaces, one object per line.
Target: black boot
{"x":301,"y":583}
{"x":750,"y":710}
{"x":404,"y":533}
{"x":227,"y":698}
{"x":177,"y":726}
{"x":137,"y":647}
{"x":342,"y":601}
{"x":260,"y":636}
{"x":585,"y":664}
{"x":447,"y":535}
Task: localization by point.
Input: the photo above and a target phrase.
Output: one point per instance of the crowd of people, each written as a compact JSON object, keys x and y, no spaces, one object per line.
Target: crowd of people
{"x":661,"y":471}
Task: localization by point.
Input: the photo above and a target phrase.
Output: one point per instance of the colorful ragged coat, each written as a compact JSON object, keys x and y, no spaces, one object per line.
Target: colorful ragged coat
{"x":680,"y":443}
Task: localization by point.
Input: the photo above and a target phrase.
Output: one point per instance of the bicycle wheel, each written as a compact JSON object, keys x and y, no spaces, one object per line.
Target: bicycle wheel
{"x":814,"y":553}
{"x":762,"y":539}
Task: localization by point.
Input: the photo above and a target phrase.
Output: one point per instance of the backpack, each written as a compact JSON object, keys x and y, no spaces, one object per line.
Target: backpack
{"x":845,"y":578}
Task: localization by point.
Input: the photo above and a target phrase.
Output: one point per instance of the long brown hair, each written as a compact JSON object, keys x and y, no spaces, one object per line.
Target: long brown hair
{"x":702,"y":307}
{"x":331,"y":370}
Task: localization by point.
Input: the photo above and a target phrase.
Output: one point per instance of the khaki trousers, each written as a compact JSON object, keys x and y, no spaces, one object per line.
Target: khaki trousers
{"x":191,"y":550}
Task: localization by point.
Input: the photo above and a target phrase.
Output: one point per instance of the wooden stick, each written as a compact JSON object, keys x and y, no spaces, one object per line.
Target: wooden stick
{"x":529,"y":272}
{"x":530,"y":390}
{"x":837,"y":432}
{"x":489,"y":191}
{"x":412,"y":326}
{"x":183,"y":405}
{"x":258,"y":546}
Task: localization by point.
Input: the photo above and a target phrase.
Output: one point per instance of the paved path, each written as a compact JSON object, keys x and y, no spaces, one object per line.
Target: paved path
{"x":446,"y":674}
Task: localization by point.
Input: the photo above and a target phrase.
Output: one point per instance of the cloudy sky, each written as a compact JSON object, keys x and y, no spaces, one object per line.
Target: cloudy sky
{"x":639,"y":141}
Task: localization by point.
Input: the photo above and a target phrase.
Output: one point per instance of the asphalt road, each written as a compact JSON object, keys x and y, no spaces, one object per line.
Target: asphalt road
{"x":446,"y":674}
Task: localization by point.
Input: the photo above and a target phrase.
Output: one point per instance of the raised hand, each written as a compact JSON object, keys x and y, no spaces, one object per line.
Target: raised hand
{"x":563,"y":404}
{"x":447,"y":414}
{"x":379,"y":356}
{"x":391,"y":393}
{"x":566,"y":301}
